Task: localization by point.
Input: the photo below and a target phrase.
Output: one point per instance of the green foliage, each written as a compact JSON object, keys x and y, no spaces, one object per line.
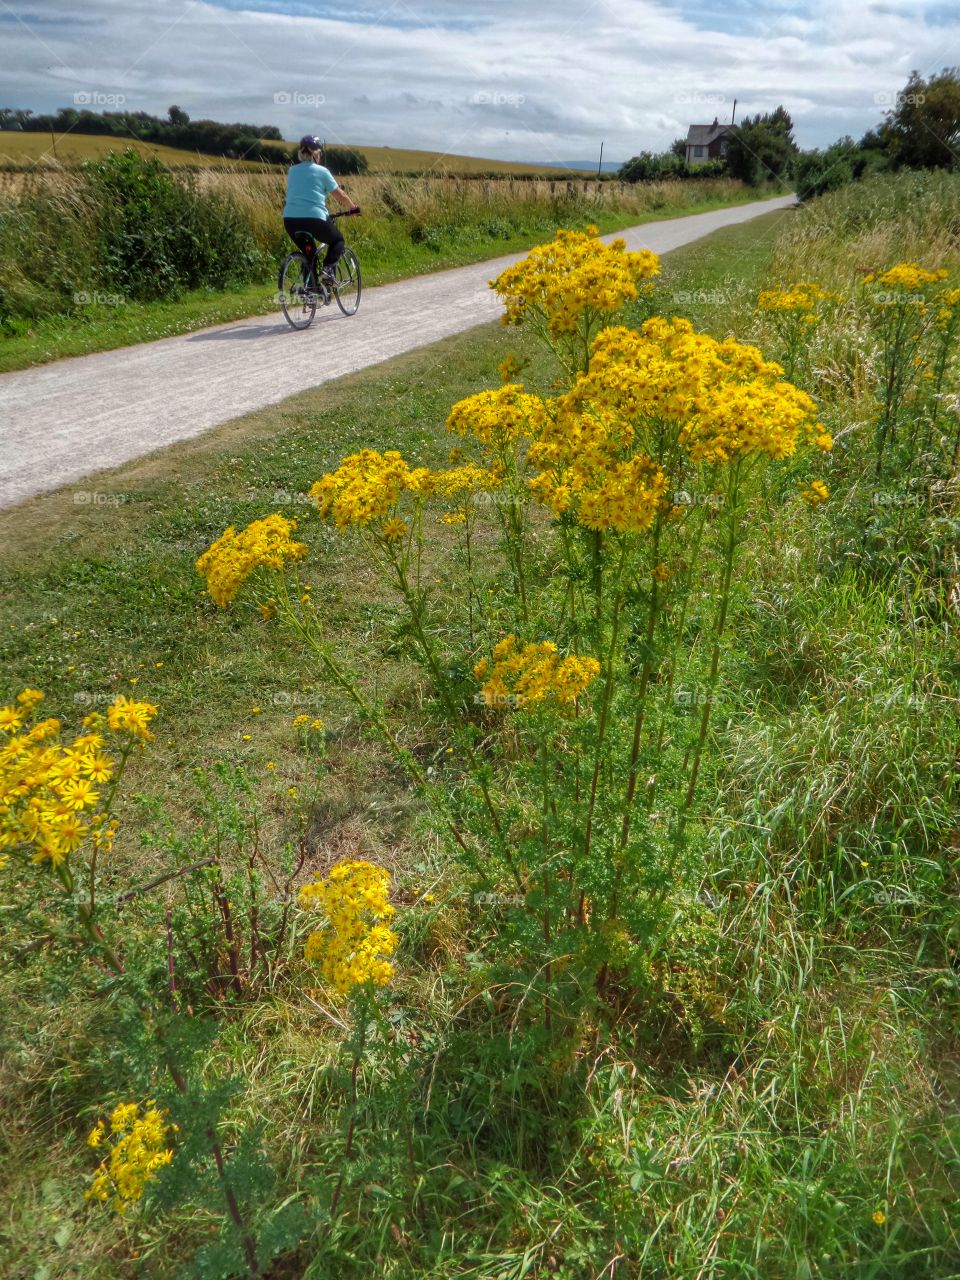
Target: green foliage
{"x":923,"y":129}
{"x":648,"y":167}
{"x":772,"y":1092}
{"x":157,"y":235}
{"x":762,"y":147}
{"x":208,"y":137}
{"x":344,"y":160}
{"x":816,"y":172}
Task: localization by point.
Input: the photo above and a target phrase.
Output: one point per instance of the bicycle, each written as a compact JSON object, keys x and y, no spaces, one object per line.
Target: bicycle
{"x":302,"y":286}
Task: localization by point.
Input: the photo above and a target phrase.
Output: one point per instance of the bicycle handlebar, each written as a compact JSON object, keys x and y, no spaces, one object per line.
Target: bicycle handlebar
{"x":351,"y":213}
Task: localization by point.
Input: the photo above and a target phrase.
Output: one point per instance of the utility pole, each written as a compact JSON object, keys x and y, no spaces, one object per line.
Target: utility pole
{"x":733,"y":118}
{"x":600,"y":162}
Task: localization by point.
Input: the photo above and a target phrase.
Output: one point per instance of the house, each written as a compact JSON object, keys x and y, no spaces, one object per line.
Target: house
{"x":707,"y":142}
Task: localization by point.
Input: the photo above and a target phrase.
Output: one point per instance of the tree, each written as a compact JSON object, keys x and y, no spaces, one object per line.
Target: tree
{"x":177,"y":117}
{"x":761,"y":147}
{"x":678,"y":148}
{"x":924,"y":127}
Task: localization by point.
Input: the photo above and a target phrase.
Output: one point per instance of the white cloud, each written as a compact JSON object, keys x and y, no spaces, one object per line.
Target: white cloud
{"x":533,"y":81}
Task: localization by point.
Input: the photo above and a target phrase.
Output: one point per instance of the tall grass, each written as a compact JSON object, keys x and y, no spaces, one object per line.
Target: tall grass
{"x":53,"y":226}
{"x":787,"y":1109}
{"x":874,"y":223}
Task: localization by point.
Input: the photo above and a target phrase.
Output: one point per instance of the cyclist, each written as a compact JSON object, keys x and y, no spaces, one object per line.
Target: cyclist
{"x":308,"y":185}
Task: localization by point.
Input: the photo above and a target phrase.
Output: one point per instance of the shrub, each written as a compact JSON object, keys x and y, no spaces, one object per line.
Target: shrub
{"x":157,"y":235}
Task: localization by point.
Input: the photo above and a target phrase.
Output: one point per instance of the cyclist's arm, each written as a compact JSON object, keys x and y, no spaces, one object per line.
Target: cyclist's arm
{"x":342,"y":196}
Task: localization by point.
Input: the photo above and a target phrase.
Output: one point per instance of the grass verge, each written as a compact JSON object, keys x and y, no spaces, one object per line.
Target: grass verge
{"x":808,"y":1129}
{"x":105,"y":327}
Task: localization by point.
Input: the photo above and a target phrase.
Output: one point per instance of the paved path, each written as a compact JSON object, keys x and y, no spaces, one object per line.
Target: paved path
{"x":63,"y":421}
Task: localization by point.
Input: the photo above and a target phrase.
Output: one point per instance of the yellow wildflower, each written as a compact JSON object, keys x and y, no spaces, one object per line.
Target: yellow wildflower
{"x":354,"y":947}
{"x":265,"y":544}
{"x":138,"y":1150}
{"x":536,"y":673}
{"x":575,"y":277}
{"x":814,"y":492}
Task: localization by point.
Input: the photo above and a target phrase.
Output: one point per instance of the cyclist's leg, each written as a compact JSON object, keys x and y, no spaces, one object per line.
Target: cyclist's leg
{"x":333,"y":239}
{"x":314,"y":227}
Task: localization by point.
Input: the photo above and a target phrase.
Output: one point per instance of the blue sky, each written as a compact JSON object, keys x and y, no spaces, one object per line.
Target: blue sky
{"x":511,"y":79}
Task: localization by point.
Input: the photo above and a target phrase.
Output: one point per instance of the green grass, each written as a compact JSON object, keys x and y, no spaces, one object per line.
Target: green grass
{"x":106,"y":327}
{"x":804,"y":1076}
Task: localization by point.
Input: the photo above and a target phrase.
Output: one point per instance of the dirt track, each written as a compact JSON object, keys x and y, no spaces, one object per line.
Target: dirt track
{"x":63,"y":421}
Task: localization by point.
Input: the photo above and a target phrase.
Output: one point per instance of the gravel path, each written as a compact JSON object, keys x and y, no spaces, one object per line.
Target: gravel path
{"x":63,"y":421}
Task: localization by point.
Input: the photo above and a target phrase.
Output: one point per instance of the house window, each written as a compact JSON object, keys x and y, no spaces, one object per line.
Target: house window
{"x":698,"y":153}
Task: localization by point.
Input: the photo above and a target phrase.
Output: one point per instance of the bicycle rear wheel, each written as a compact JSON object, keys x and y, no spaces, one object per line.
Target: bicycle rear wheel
{"x":346,"y":283}
{"x":298,"y":302}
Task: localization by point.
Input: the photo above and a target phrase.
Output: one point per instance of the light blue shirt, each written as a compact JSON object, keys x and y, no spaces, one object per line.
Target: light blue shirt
{"x":308,"y":186}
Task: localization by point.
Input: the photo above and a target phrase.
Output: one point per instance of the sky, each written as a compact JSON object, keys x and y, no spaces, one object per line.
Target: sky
{"x":530,"y":80}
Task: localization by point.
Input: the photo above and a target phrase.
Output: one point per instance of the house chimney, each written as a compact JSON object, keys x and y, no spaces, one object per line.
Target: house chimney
{"x":715,"y":122}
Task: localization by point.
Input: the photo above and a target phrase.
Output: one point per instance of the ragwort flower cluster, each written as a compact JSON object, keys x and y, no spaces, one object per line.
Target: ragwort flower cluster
{"x":266,"y":544}
{"x":600,"y":454}
{"x":138,"y":1150}
{"x":354,"y":947}
{"x":51,"y":791}
{"x":803,"y":297}
{"x":573,"y":278}
{"x":534,"y":674}
{"x":907,"y":276}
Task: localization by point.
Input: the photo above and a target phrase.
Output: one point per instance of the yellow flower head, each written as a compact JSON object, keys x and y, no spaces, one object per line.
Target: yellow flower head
{"x":574,"y":276}
{"x":264,"y":544}
{"x":354,"y":947}
{"x":814,"y":492}
{"x":137,"y":1151}
{"x":50,"y":790}
{"x":534,"y":674}
{"x":127,"y":716}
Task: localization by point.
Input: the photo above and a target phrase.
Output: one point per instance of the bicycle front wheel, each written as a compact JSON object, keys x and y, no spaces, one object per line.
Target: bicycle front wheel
{"x":298,"y":302}
{"x":346,"y":284}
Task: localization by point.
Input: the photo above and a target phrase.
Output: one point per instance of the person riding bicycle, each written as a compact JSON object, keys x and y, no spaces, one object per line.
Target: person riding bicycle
{"x":308,"y":185}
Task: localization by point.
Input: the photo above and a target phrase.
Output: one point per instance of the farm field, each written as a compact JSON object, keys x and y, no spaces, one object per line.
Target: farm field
{"x":26,"y":149}
{"x":722,"y":1040}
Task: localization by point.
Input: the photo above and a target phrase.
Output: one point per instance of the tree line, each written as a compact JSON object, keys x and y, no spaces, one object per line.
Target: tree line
{"x":920,"y":131}
{"x":262,"y":143}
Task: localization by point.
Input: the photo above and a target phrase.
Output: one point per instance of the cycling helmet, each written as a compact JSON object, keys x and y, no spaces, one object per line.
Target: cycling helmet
{"x":310,"y":143}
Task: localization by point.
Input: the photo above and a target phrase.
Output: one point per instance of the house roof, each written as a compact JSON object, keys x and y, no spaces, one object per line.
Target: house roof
{"x":699,"y":134}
